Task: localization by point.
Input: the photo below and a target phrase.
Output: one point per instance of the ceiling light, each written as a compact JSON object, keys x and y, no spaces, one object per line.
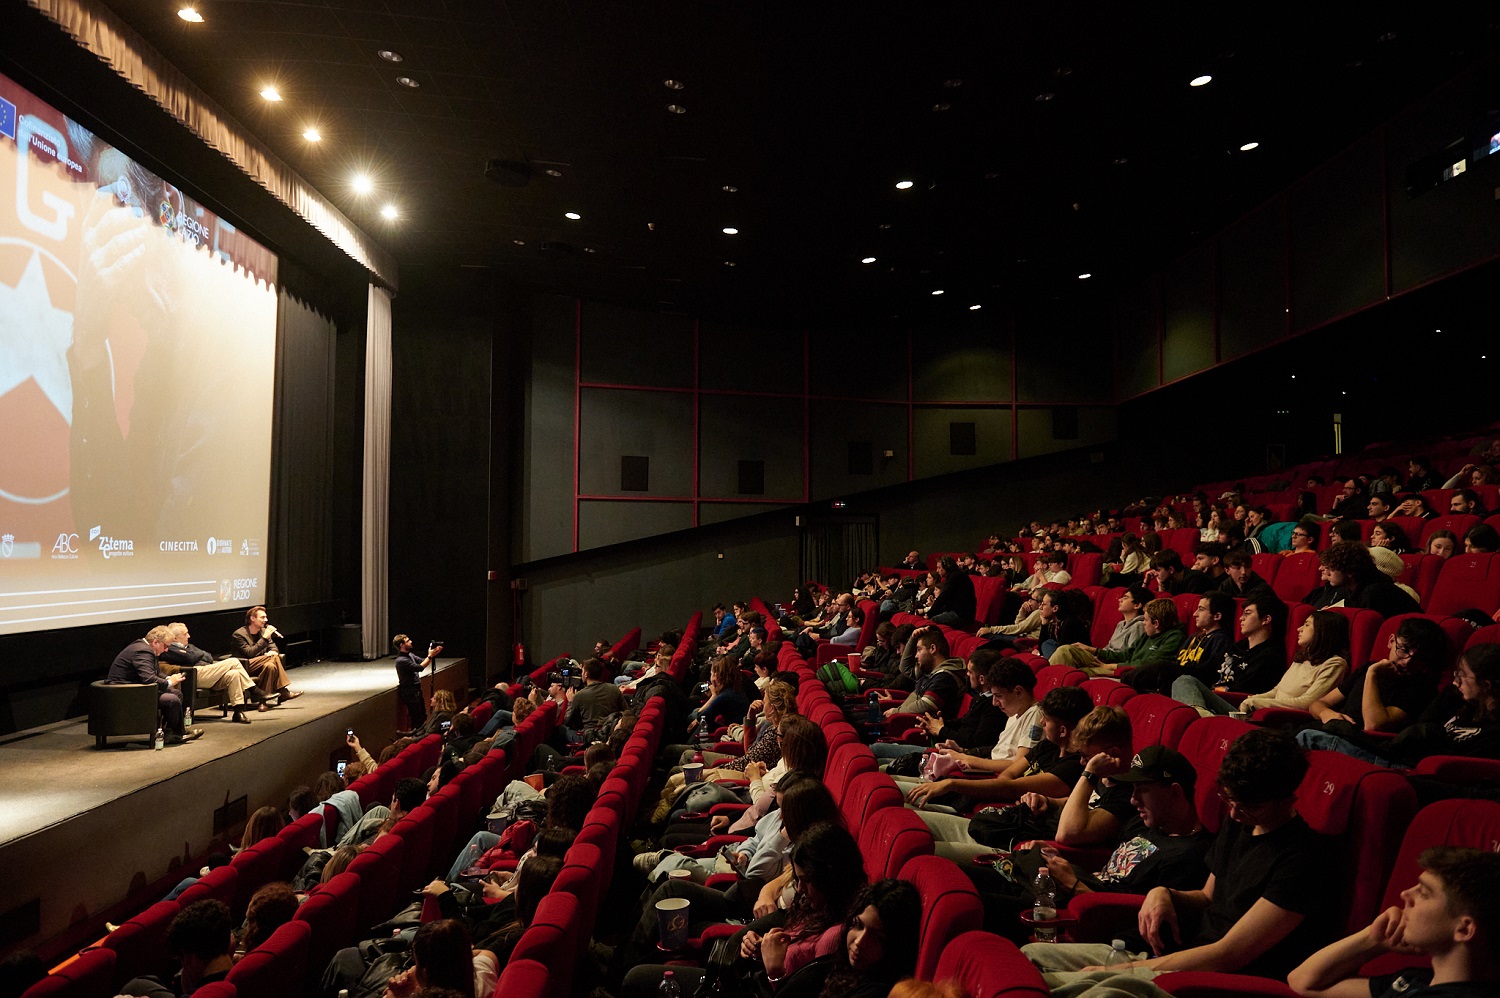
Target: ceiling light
{"x":389,"y":211}
{"x":271,"y":94}
{"x":955,"y":82}
{"x":1249,"y":145}
{"x":885,"y":225}
{"x":1200,"y":81}
{"x":553,"y":172}
{"x":941,"y":106}
{"x":1044,"y":97}
{"x":362,"y":183}
{"x":975,"y":308}
{"x":1084,"y":276}
{"x":572,"y":215}
{"x":390,"y":56}
{"x":729,"y":189}
{"x":729,"y":263}
{"x":903,"y":185}
{"x":730,"y":230}
{"x":672,"y":84}
{"x":590,"y":249}
{"x":190,"y":15}
{"x":938,"y":291}
{"x":311,"y":134}
{"x":1121,"y":160}
{"x":868,"y":259}
{"x":407,"y":81}
{"x":519,"y":242}
{"x":677,"y":109}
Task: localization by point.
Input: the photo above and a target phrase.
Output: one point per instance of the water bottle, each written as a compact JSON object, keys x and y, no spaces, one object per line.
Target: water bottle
{"x":187,"y":716}
{"x":1118,"y":959}
{"x":874,"y":707}
{"x":1044,"y":908}
{"x":161,"y":739}
{"x":669,"y":987}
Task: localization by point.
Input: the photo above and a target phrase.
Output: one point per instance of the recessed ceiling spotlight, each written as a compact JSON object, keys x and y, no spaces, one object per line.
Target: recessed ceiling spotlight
{"x":553,"y":172}
{"x":938,"y":291}
{"x":941,"y":106}
{"x":729,"y":189}
{"x":1045,"y":96}
{"x":1389,"y":36}
{"x":975,"y":308}
{"x":389,"y":211}
{"x":730,"y":230}
{"x":1084,"y":276}
{"x":903,"y":185}
{"x":407,"y":81}
{"x":190,"y":14}
{"x":992,"y":175}
{"x":1064,"y":71}
{"x":362,"y":183}
{"x":729,"y":263}
{"x":271,"y":94}
{"x":590,"y":249}
{"x":673,"y":84}
{"x":954,"y":82}
{"x":311,"y":134}
{"x":1249,"y":145}
{"x":573,"y":215}
{"x":519,"y":242}
{"x":1200,"y":81}
{"x":677,"y":109}
{"x":868,"y":259}
{"x":1121,"y":160}
{"x":390,"y":56}
{"x":885,"y":225}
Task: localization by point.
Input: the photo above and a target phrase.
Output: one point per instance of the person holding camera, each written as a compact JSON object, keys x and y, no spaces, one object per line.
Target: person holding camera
{"x":409,"y":677}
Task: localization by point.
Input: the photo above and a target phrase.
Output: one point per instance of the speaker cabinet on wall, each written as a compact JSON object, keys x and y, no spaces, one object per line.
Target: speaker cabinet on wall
{"x":861,"y":457}
{"x":752,"y":478}
{"x":635,"y":474}
{"x":962,"y":440}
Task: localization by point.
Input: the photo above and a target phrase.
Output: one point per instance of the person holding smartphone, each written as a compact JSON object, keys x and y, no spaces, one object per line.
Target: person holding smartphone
{"x":409,"y":677}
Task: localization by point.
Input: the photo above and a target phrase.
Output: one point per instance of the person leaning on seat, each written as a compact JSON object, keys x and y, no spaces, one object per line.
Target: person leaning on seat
{"x":226,"y":674}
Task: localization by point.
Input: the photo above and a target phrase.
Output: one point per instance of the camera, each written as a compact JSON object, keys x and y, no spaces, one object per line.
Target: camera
{"x":348,"y":732}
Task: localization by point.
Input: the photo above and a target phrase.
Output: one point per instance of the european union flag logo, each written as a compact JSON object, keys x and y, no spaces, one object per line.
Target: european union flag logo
{"x":7,"y":118}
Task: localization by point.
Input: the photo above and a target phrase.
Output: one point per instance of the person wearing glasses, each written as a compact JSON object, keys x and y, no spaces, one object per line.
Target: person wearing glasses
{"x":1387,"y":695}
{"x":1304,"y":539}
{"x":1254,"y":914}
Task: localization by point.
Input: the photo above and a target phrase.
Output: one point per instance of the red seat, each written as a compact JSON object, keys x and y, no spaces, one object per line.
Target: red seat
{"x":1297,"y":576}
{"x":332,"y":916}
{"x":415,"y":832}
{"x":1157,"y":720}
{"x":844,"y":764}
{"x":987,"y":966}
{"x":1364,"y":625}
{"x":1085,"y":568}
{"x":1187,"y":606}
{"x":989,"y":597}
{"x":140,"y":943}
{"x":379,"y":869}
{"x":525,"y":979}
{"x":1107,"y":692}
{"x":1266,"y":566}
{"x":893,"y":837}
{"x":866,"y":794}
{"x":302,"y":834}
{"x":219,"y":885}
{"x":1460,"y":524}
{"x":91,"y":974}
{"x":267,"y":970}
{"x":1053,"y":676}
{"x":1204,"y":744}
{"x":1467,"y":581}
{"x":261,"y":864}
{"x":1421,"y":574}
{"x":950,"y":907}
{"x":1106,"y":616}
{"x":551,"y":940}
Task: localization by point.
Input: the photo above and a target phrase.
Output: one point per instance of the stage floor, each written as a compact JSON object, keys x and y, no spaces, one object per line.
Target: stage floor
{"x":83,"y":829}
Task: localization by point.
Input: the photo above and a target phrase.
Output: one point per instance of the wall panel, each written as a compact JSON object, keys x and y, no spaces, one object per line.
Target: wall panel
{"x":1338,"y":237}
{"x":1188,"y":315}
{"x":967,"y":360}
{"x":545,"y":525}
{"x":835,"y":425}
{"x":1138,"y":350}
{"x":746,"y":359}
{"x":931,"y":431}
{"x":601,"y":523}
{"x":1252,"y":282}
{"x":744,"y":428}
{"x":859,"y":363}
{"x":1034,"y":430}
{"x":620,"y":422}
{"x":630,"y":346}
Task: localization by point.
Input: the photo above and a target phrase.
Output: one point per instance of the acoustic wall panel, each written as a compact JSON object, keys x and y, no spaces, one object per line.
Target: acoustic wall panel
{"x":1065,"y":353}
{"x":835,"y":425}
{"x":601,"y":523}
{"x":546,"y":461}
{"x":1338,"y":237}
{"x":1137,"y":351}
{"x":746,"y":359}
{"x":617,"y":423}
{"x":1187,"y":344}
{"x":1035,"y":426}
{"x":737,"y":427}
{"x":933,"y":437}
{"x":1252,"y":281}
{"x":967,"y":360}
{"x":859,"y":363}
{"x":629,"y":346}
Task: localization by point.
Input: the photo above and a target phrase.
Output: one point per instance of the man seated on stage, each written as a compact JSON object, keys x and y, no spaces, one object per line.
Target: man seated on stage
{"x":409,"y":678}
{"x":1450,"y":915}
{"x":136,"y":663}
{"x":226,"y":674}
{"x":255,"y":647}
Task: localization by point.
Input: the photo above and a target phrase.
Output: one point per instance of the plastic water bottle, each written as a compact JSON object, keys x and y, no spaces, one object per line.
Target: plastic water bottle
{"x":669,"y":987}
{"x":1044,"y":908}
{"x":1118,"y":960}
{"x":187,"y":716}
{"x":874,"y":707}
{"x":161,"y":739}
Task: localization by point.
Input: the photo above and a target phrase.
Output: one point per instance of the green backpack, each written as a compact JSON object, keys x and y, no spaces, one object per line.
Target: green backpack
{"x":837,"y":677}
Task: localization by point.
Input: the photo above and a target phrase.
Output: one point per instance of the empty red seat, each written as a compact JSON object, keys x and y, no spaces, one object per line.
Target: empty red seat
{"x":1106,"y":616}
{"x":987,"y":966}
{"x":1107,"y":692}
{"x":140,"y":944}
{"x":1157,"y":720}
{"x":332,"y":916}
{"x":1053,"y":676}
{"x":1297,"y":577}
{"x":91,"y":974}
{"x":379,"y":869}
{"x":1467,"y":581}
{"x":866,"y":794}
{"x":950,"y":907}
{"x":890,"y":839}
{"x":551,"y":938}
{"x":219,"y":885}
{"x":989,"y":597}
{"x":526,"y":979}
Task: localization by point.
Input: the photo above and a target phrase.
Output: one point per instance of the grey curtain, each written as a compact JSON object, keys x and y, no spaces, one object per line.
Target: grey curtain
{"x":375,"y":570}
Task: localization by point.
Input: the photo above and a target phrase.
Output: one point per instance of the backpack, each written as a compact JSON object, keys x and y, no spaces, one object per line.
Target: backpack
{"x":837,"y":677}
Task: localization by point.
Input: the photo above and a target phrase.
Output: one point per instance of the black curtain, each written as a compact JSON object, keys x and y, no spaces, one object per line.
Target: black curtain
{"x":835,"y":552}
{"x":302,"y":457}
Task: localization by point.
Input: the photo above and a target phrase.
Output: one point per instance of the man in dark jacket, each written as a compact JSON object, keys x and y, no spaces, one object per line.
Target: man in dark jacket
{"x":137,"y":663}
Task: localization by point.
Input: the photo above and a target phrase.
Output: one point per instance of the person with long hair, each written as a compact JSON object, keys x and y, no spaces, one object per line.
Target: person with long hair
{"x":877,"y":948}
{"x":271,"y":907}
{"x":263,"y":824}
{"x":1389,"y":536}
{"x":443,"y":957}
{"x":1318,"y":665}
{"x":1462,"y":720}
{"x":1443,"y":543}
{"x":1066,"y":616}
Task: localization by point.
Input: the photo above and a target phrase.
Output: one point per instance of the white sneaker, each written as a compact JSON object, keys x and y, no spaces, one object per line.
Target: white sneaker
{"x":646,"y":861}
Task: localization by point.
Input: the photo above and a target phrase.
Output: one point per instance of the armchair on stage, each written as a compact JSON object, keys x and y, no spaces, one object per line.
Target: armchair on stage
{"x":122,"y":709}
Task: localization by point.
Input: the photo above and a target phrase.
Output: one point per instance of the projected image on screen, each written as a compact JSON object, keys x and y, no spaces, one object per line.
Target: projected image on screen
{"x":137,"y":346}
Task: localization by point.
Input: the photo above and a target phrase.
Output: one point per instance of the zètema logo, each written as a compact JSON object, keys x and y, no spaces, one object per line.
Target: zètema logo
{"x":111,"y":547}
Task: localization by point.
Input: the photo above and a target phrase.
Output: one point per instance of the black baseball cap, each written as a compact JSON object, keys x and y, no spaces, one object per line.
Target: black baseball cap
{"x":1159,"y":764}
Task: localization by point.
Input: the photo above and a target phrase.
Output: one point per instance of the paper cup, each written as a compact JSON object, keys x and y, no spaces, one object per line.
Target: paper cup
{"x":853,"y":662}
{"x":679,"y":874}
{"x":672,"y":923}
{"x":692,"y":773}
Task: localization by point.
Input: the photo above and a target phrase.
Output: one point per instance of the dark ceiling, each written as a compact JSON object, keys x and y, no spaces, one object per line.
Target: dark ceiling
{"x":1044,"y":141}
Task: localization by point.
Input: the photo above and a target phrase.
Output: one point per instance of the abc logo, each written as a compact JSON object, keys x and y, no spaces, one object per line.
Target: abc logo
{"x":65,"y":544}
